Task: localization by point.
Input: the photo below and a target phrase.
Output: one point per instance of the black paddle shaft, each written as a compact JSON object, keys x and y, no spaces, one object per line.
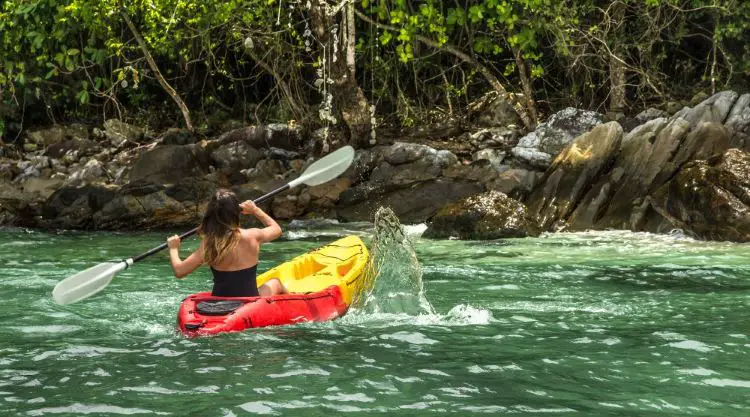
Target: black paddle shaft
{"x":186,"y":235}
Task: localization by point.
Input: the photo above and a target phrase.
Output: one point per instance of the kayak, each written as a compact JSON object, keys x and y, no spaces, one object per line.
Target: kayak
{"x":321,"y":283}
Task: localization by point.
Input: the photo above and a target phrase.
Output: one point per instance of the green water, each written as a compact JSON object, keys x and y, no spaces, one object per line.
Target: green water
{"x":596,"y":324}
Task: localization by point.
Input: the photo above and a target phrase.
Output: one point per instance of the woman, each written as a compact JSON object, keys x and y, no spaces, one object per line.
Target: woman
{"x":231,"y":252}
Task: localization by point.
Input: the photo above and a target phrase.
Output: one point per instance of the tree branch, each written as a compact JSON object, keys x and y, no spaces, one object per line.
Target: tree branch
{"x":486,"y":73}
{"x":151,"y":63}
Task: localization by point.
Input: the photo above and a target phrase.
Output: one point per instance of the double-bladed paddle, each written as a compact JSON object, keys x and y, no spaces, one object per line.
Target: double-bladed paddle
{"x":89,"y":282}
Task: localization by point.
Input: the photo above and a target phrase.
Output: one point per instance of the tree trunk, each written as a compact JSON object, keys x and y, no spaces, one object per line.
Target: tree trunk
{"x":350,"y":103}
{"x":526,"y":84}
{"x":617,"y":68}
{"x":152,"y":64}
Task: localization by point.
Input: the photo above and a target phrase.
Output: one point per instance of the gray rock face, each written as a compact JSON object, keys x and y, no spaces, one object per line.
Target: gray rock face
{"x":715,"y":109}
{"x":538,"y":147}
{"x":566,"y":181}
{"x":413,"y":204}
{"x":738,"y":122}
{"x":490,"y":215}
{"x":170,"y":164}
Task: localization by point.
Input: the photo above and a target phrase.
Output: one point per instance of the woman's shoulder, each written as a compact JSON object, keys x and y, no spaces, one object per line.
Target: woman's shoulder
{"x":248,"y":233}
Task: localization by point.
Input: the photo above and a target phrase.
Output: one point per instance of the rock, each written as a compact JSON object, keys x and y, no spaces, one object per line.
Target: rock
{"x":275,"y":135}
{"x":493,"y":110}
{"x":515,"y":182}
{"x":17,"y":208}
{"x":404,"y":165}
{"x":192,"y":191}
{"x":481,"y":171}
{"x":572,"y":173}
{"x":140,"y":188}
{"x":494,"y":156}
{"x":714,"y":109}
{"x":7,"y":172}
{"x":288,"y":207}
{"x":58,"y":133}
{"x":82,"y":147}
{"x":281,"y":154}
{"x":170,"y":164}
{"x":402,"y":153}
{"x":73,"y":207}
{"x":365,"y":161}
{"x":235,"y":156}
{"x":710,"y":198}
{"x":738,"y":122}
{"x":532,"y":157}
{"x":645,"y":162}
{"x":44,"y":187}
{"x":177,"y":136}
{"x":642,"y":118}
{"x":118,"y":133}
{"x":414,"y":204}
{"x":327,"y":195}
{"x":555,"y":134}
{"x":490,"y":215}
{"x":92,"y":172}
{"x":501,"y":138}
{"x":154,"y":210}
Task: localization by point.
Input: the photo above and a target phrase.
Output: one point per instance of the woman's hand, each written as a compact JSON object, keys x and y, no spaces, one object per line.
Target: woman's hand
{"x":248,"y":207}
{"x":173,"y":242}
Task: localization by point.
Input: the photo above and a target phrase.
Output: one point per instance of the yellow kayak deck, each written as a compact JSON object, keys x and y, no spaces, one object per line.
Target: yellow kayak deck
{"x":340,"y":263}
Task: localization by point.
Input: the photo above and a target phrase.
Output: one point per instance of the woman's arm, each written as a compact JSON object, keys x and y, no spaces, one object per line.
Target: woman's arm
{"x":271,"y":231}
{"x":183,"y":268}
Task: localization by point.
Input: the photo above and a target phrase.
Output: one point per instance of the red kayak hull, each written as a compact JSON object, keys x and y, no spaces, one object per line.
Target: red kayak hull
{"x":260,"y":311}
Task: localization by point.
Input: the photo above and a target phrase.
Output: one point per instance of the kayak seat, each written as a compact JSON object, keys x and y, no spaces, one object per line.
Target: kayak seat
{"x":218,"y":307}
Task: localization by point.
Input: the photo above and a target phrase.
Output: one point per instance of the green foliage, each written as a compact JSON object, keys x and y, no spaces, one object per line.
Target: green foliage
{"x":66,"y":59}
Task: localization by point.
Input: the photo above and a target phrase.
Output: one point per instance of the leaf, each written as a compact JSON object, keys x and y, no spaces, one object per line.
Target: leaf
{"x":475,"y":13}
{"x":73,"y":52}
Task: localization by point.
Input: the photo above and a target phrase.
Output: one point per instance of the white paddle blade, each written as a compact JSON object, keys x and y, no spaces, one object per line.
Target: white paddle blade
{"x":326,"y":168}
{"x":86,"y":283}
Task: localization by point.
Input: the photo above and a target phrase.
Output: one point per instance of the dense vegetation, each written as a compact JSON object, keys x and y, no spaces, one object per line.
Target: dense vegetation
{"x":196,"y":63}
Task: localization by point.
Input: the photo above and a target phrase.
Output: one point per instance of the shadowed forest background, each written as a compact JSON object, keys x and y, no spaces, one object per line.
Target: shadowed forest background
{"x":352,"y":65}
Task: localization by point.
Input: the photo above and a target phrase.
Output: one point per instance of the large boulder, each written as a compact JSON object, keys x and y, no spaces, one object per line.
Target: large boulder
{"x":74,"y":207}
{"x":738,"y":122}
{"x":540,"y":146}
{"x":119,"y":133}
{"x":490,"y":215}
{"x":170,"y":164}
{"x":274,"y":135}
{"x":235,"y":156}
{"x":412,"y":204}
{"x":154,"y":210}
{"x":649,"y":157}
{"x":710,"y":198}
{"x":572,"y":173}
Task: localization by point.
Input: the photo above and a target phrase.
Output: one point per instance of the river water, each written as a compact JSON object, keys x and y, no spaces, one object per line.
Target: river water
{"x":595,"y":324}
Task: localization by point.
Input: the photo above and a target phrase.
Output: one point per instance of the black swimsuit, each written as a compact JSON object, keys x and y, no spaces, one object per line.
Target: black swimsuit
{"x":240,"y":283}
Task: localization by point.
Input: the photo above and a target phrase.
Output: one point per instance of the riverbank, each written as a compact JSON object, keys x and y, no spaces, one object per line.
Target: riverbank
{"x":577,"y":171}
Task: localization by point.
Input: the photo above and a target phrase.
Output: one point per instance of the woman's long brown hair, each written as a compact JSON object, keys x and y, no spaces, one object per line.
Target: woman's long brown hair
{"x":220,"y":226}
